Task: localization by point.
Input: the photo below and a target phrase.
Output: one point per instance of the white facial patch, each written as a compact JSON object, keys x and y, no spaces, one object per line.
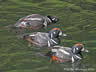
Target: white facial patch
{"x":60,"y":33}
{"x":83,"y":49}
{"x":77,"y":48}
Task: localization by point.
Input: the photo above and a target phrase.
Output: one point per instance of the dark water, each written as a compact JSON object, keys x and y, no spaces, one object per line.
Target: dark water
{"x":77,"y":19}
